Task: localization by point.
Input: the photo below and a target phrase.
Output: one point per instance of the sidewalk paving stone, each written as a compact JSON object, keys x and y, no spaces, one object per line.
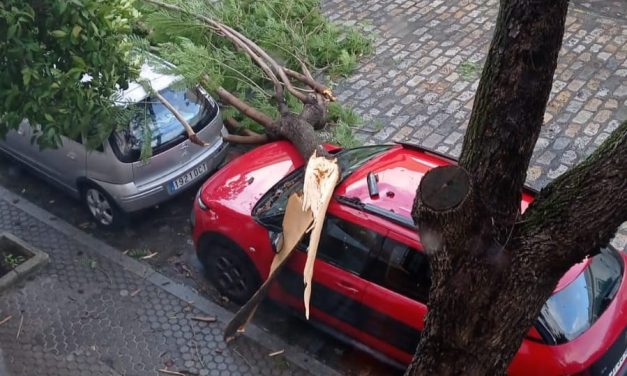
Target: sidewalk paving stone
{"x":93,"y":311}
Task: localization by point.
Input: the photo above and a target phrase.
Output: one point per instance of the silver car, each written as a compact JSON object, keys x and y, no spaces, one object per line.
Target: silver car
{"x":113,"y":180}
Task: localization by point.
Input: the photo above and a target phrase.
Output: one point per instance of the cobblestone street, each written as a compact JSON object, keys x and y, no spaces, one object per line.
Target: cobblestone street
{"x":419,"y":85}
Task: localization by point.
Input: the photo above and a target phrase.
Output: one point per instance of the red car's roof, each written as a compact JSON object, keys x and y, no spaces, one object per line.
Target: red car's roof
{"x":399,"y":172}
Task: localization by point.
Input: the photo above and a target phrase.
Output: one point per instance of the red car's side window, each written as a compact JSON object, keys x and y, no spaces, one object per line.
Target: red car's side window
{"x":402,"y":269}
{"x":347,"y":245}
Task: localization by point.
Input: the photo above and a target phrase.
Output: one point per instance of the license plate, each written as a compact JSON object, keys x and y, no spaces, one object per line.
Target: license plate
{"x":188,"y":177}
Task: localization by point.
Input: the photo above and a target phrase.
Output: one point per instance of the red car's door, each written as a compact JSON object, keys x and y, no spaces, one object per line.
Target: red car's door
{"x":396,"y":294}
{"x":338,"y":285}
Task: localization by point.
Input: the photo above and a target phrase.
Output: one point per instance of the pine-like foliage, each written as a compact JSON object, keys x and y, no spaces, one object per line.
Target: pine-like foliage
{"x":292,"y":31}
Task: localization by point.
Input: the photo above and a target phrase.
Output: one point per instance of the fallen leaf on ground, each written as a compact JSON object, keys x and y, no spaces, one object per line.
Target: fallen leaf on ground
{"x":163,"y":370}
{"x":279,"y":352}
{"x":19,"y":328}
{"x":4,"y":321}
{"x":149,"y":256}
{"x":204,"y":318}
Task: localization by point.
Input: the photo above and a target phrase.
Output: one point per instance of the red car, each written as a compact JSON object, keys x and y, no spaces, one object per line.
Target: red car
{"x":371,"y":278}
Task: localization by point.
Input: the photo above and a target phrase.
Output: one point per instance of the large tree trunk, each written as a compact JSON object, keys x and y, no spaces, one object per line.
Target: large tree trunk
{"x":492,"y":267}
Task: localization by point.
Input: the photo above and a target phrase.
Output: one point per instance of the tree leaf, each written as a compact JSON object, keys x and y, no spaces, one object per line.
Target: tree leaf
{"x":26,"y":76}
{"x":58,"y":33}
{"x":79,"y":61}
{"x":11,"y":31}
{"x":76,"y":30}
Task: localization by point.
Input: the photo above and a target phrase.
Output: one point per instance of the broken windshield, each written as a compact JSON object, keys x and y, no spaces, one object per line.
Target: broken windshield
{"x":271,"y":208}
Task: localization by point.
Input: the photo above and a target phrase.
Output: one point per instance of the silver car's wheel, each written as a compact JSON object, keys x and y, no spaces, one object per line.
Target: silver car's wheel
{"x":99,"y":206}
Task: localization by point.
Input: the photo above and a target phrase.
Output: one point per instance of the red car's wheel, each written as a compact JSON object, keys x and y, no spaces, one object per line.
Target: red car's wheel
{"x":231,"y":272}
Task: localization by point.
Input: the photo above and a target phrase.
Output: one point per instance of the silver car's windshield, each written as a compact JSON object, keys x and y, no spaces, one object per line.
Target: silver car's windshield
{"x":165,"y":130}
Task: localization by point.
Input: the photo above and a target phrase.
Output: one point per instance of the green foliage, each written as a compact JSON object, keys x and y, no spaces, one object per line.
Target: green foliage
{"x":289,"y":30}
{"x":11,"y":261}
{"x":469,"y":70}
{"x":338,"y":113}
{"x":343,"y":135}
{"x":138,"y":253}
{"x":51,"y":49}
{"x":345,"y":120}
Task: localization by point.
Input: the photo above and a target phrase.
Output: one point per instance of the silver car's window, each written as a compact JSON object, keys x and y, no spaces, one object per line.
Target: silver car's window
{"x":165,"y":129}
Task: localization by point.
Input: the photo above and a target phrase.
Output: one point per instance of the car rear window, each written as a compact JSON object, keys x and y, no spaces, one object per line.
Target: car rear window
{"x":572,"y":310}
{"x":165,"y":130}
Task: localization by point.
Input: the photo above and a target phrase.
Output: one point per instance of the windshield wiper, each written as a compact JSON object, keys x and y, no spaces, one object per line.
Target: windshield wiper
{"x":356,"y":203}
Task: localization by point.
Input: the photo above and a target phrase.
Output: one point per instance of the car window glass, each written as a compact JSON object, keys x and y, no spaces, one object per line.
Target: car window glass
{"x":402,"y":269}
{"x":271,"y":206}
{"x":165,"y":129}
{"x":347,"y":245}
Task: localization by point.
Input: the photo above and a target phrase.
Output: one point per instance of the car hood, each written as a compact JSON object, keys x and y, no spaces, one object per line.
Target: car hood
{"x":241,"y":183}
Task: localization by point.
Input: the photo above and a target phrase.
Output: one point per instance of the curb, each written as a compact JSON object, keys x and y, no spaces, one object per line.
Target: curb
{"x":36,"y":261}
{"x":293,"y":354}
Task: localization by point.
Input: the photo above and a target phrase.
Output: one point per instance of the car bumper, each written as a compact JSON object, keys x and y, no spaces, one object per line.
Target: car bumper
{"x":130,"y":198}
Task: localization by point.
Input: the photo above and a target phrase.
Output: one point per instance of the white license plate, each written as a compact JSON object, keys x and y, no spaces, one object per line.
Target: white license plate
{"x":188,"y":177}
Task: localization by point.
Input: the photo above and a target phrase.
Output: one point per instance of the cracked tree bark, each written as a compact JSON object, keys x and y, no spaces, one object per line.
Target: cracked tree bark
{"x":492,"y":267}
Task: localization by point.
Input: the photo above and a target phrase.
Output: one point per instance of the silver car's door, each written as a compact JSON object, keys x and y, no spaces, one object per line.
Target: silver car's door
{"x":64,"y":165}
{"x":17,"y":141}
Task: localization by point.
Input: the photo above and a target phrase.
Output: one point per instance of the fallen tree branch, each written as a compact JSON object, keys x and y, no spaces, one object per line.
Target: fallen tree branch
{"x":246,"y":140}
{"x":243,"y":107}
{"x":5,"y":320}
{"x":248,"y":137}
{"x":168,"y":372}
{"x":261,"y":57}
{"x":315,"y":85}
{"x":193,"y":137}
{"x":321,"y":177}
{"x":295,"y":223}
{"x":277,"y":68}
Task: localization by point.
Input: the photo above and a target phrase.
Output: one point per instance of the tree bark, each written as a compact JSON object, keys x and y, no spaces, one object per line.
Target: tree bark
{"x":488,"y":283}
{"x":510,"y":102}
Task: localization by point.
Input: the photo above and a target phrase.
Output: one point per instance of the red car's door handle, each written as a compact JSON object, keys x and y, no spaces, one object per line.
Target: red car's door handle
{"x":347,"y":287}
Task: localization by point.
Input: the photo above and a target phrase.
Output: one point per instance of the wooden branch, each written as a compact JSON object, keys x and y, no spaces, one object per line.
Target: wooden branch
{"x":232,"y":125}
{"x":580,"y":211}
{"x":446,"y":211}
{"x":309,"y":81}
{"x":277,"y":68}
{"x":193,"y":137}
{"x":168,"y":372}
{"x":510,"y":103}
{"x":243,"y":107}
{"x":295,"y":223}
{"x":246,"y":140}
{"x":242,"y":42}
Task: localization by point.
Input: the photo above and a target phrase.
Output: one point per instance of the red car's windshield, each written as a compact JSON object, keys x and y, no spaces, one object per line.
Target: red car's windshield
{"x":572,"y":310}
{"x":271,"y":206}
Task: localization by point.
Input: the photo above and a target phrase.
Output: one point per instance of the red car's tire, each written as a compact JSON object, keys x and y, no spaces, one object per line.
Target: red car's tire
{"x":231,"y":272}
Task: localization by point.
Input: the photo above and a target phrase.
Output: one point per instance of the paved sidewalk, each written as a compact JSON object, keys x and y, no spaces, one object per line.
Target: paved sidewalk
{"x":420,"y":83}
{"x":93,"y":311}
